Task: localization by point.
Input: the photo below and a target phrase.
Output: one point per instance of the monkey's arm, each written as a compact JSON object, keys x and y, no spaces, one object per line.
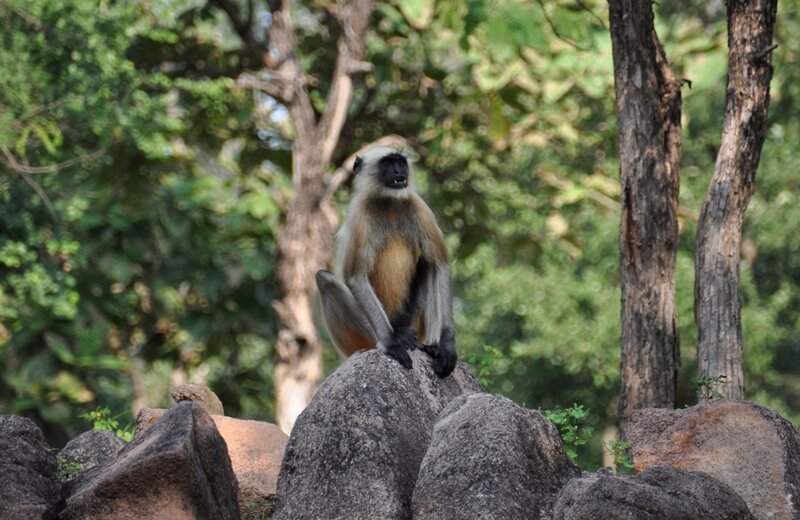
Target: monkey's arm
{"x":436,"y":299}
{"x":439,"y":321}
{"x":394,"y":343}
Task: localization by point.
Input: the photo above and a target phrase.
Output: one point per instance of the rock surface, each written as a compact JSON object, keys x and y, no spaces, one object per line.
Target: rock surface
{"x":201,"y":395}
{"x":86,"y":451}
{"x":256,"y":450}
{"x":178,"y":469}
{"x":147,"y":417}
{"x":657,"y":493}
{"x":356,"y":449}
{"x":490,"y":458}
{"x":748,"y":446}
{"x":28,"y":486}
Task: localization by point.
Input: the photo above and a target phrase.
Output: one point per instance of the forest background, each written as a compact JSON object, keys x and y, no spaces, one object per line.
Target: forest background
{"x":142,"y":189}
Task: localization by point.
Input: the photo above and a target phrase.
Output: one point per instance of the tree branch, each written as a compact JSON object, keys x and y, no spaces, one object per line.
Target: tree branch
{"x":242,"y":25}
{"x":293,"y":94}
{"x":355,"y":23}
{"x":15,"y":165}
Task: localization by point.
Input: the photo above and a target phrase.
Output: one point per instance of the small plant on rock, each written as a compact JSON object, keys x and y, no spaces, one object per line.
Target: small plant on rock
{"x":623,"y":457}
{"x":102,"y":419}
{"x":707,"y":387}
{"x":570,"y":425}
{"x":66,"y":469}
{"x":482,"y":363}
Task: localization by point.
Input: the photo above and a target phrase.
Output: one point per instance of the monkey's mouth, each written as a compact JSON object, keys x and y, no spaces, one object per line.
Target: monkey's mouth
{"x":398,"y":183}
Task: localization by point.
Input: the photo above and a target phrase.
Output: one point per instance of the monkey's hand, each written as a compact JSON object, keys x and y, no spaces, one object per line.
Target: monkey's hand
{"x":401,"y":341}
{"x":443,"y":353}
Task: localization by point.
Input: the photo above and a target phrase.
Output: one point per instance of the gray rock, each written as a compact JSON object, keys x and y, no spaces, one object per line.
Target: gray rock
{"x":201,"y":395}
{"x":86,"y":451}
{"x":492,"y":459}
{"x":28,"y":486}
{"x":147,"y":417}
{"x":658,"y":493}
{"x":748,"y":446}
{"x":356,"y":449}
{"x":178,"y":469}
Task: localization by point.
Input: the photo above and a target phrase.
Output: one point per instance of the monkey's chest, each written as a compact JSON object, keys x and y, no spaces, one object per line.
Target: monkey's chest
{"x":392,"y":275}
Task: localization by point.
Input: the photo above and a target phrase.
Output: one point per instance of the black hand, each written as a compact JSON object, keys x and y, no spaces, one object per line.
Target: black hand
{"x":443,"y":353}
{"x":403,"y":340}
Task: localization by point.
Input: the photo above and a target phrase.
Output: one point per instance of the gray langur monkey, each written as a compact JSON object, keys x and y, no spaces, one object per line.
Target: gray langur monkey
{"x":391,"y":289}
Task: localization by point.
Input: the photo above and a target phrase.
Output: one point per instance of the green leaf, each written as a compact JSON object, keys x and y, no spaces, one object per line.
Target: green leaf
{"x":418,"y":13}
{"x":60,"y":348}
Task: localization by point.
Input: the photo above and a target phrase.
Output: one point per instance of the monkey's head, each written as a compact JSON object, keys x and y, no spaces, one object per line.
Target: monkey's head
{"x":384,"y":172}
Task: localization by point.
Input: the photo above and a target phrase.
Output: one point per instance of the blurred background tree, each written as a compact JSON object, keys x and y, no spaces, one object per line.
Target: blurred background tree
{"x":142,"y":191}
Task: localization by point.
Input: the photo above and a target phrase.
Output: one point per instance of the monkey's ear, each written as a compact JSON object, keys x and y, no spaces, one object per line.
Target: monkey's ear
{"x":359,"y":162}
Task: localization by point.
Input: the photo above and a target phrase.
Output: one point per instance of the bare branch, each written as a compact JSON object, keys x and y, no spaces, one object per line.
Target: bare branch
{"x":243,"y":25}
{"x":271,"y":84}
{"x":294,"y":94}
{"x":15,"y":165}
{"x":354,"y":18}
{"x":40,"y":191}
{"x":555,"y":30}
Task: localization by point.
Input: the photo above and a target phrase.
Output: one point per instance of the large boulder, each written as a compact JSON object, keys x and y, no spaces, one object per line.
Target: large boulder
{"x":657,"y":493}
{"x":28,"y":486}
{"x":748,"y":446}
{"x":86,"y":451}
{"x":490,"y":458}
{"x":256,"y":450}
{"x":356,"y":449}
{"x":178,"y":469}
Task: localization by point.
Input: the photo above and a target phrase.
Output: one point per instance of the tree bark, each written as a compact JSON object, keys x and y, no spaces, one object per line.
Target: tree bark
{"x":648,"y":107}
{"x":305,"y":242}
{"x":717,"y":297}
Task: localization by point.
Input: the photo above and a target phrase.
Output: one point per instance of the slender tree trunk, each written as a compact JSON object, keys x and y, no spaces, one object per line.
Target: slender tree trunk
{"x":719,"y":231}
{"x":305,"y":242}
{"x":648,"y":107}
{"x":304,"y":245}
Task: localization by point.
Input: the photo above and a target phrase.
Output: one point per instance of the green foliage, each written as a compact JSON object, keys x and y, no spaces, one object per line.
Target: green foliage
{"x":707,"y":386}
{"x":482,"y":363}
{"x":141,"y":251}
{"x":67,"y":469}
{"x":143,"y":248}
{"x":623,"y":457}
{"x":570,"y":422}
{"x":102,"y":419}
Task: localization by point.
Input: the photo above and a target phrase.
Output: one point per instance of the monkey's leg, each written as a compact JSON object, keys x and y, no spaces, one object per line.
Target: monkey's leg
{"x":348,"y":326}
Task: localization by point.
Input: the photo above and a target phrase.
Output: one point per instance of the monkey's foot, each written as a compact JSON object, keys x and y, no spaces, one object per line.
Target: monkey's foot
{"x":403,"y":340}
{"x":443,"y":353}
{"x":399,"y":354}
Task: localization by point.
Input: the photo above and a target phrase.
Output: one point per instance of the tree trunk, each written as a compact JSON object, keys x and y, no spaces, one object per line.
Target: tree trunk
{"x":719,"y":231}
{"x":648,"y":106}
{"x":304,"y":246}
{"x":304,"y":243}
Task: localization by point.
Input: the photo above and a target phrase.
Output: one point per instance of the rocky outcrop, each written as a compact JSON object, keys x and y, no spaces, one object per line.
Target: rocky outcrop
{"x":28,"y":486}
{"x":490,"y":458}
{"x":256,"y":450}
{"x":86,"y":451}
{"x":177,"y":469}
{"x":748,"y":446}
{"x":356,"y":449}
{"x":658,"y":493}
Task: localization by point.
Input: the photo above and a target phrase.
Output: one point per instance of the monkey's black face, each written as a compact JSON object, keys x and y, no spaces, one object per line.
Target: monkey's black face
{"x":393,"y":171}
